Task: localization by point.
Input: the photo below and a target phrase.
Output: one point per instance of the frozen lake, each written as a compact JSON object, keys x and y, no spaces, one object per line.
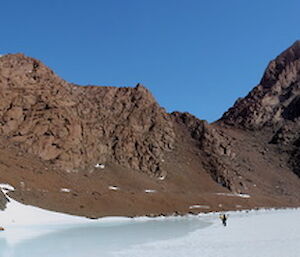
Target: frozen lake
{"x":271,"y":233}
{"x":34,"y":232}
{"x":107,"y":238}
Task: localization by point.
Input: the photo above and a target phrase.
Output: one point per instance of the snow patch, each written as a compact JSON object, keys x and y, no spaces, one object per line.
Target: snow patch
{"x":6,"y":188}
{"x":234,"y":195}
{"x":100,"y":165}
{"x":22,"y":222}
{"x":150,"y":191}
{"x":65,"y":190}
{"x":20,"y":214}
{"x":115,"y":188}
{"x":198,"y":206}
{"x":243,"y":195}
{"x":161,"y":177}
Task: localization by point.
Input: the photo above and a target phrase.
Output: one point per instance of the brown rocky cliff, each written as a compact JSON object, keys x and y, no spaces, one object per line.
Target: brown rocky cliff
{"x":273,"y":107}
{"x":77,"y":127}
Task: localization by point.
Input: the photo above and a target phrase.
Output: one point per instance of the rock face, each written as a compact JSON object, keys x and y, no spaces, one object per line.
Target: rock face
{"x":89,"y":140}
{"x":77,"y":127}
{"x":215,"y":147}
{"x":3,"y":201}
{"x":274,"y":105}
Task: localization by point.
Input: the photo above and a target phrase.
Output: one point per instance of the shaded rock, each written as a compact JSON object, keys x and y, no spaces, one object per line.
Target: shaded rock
{"x":3,"y":200}
{"x":215,"y":146}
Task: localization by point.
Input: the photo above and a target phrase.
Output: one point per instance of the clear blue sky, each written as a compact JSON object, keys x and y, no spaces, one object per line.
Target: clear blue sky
{"x":194,"y":55}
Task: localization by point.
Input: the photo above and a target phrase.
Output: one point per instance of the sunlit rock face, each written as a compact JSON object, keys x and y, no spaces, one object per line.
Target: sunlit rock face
{"x":75,"y":127}
{"x":276,"y":99}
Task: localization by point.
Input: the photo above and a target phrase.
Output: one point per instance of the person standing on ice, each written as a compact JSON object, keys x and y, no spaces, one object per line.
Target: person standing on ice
{"x":224,"y":218}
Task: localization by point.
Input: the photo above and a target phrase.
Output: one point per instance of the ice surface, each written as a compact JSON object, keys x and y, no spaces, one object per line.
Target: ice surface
{"x":101,"y":239}
{"x":254,"y":234}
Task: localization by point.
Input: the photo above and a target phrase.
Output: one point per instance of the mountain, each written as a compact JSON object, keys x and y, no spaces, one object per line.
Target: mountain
{"x":97,"y":150}
{"x":273,"y":107}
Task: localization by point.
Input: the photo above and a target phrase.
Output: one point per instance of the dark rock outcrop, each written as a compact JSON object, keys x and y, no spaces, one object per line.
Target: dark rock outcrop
{"x":3,"y":200}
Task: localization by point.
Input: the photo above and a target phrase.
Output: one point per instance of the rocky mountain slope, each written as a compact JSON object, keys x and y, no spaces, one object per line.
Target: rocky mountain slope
{"x":96,"y":151}
{"x":273,"y":107}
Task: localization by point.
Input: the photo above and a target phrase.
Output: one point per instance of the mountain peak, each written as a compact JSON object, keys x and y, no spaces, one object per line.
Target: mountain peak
{"x":280,"y":64}
{"x":268,"y":102}
{"x":296,"y":43}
